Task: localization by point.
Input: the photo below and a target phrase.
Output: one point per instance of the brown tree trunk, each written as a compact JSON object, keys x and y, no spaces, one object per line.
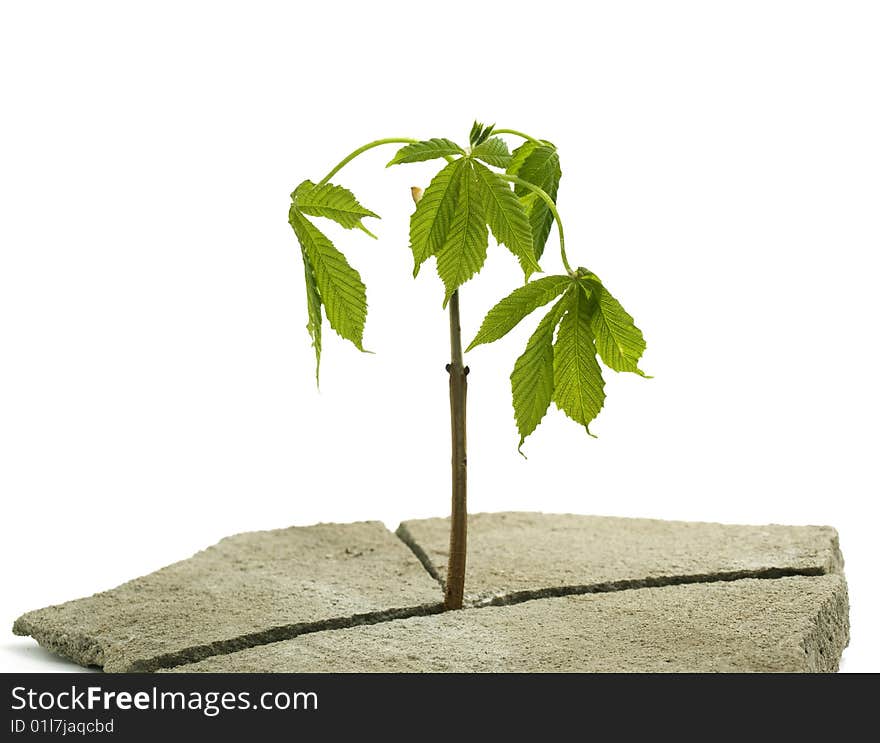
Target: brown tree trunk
{"x":458,"y":414}
{"x":458,"y":409}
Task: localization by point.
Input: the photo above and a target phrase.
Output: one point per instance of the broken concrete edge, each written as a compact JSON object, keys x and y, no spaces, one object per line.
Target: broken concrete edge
{"x":829,"y":635}
{"x":78,"y":646}
{"x":89,"y":641}
{"x":836,"y":561}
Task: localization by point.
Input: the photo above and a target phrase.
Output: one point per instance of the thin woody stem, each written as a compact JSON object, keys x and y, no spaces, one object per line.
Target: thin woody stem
{"x":458,"y":372}
{"x":458,"y":408}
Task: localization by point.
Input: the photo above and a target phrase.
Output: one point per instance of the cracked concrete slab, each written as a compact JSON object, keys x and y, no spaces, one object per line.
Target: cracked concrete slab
{"x":249,"y":588}
{"x":517,"y":556}
{"x":795,"y":624}
{"x":556,"y":592}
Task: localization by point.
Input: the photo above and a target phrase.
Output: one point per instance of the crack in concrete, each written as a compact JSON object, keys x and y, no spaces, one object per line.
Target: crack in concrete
{"x":279,"y":634}
{"x":404,"y":535}
{"x":276,"y":634}
{"x":790,"y":624}
{"x":198,"y":652}
{"x":518,"y":597}
{"x":195,"y":654}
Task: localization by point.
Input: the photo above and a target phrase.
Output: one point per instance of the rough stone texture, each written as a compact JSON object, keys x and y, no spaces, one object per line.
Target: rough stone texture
{"x":249,"y":588}
{"x":516,"y":556}
{"x":797,"y":624}
{"x":547,"y":593}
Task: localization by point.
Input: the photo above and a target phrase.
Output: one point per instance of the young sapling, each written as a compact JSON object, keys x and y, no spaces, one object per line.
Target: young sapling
{"x":480,"y":188}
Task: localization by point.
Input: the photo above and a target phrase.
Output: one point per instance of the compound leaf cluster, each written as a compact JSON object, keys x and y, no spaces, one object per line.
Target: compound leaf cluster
{"x":331,"y":282}
{"x":463,"y":203}
{"x":590,"y":322}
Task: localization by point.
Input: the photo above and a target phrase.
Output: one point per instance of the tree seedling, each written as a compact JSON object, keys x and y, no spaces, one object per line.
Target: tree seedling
{"x":480,"y":187}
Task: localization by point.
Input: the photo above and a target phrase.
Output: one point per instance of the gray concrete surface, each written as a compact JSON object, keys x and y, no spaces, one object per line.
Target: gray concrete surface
{"x":247,"y":589}
{"x":545,"y":593}
{"x":514,"y":556}
{"x":796,"y":624}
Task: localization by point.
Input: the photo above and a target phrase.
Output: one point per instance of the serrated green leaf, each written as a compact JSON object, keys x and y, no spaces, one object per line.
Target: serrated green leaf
{"x":342,"y":292}
{"x":540,"y":168}
{"x":619,"y":342}
{"x":520,"y":154}
{"x":313,"y":302}
{"x":464,"y":251}
{"x":333,"y":202}
{"x":507,"y":218}
{"x":430,"y":222}
{"x":537,"y":164}
{"x":579,"y":390}
{"x":505,"y":315}
{"x":493,"y":151}
{"x":531,"y":381}
{"x":429,"y":149}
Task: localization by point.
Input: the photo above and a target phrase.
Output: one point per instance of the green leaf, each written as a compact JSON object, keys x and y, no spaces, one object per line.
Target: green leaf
{"x":520,"y":154}
{"x":619,"y":342}
{"x":480,"y":133}
{"x":531,"y":381}
{"x":342,"y":292}
{"x":579,"y":390}
{"x":493,"y":152}
{"x":334,"y":202}
{"x":537,"y":164}
{"x":464,"y":251}
{"x":505,"y":315}
{"x":429,"y":149}
{"x":430,"y":223}
{"x":507,"y":218}
{"x":313,"y":301}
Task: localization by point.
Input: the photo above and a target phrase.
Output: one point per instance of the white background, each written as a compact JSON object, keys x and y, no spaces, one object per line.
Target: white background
{"x":720,"y":164}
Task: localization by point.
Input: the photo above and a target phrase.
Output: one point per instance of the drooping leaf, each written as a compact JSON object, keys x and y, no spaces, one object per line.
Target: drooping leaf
{"x":341,"y":290}
{"x":531,"y":381}
{"x":493,"y":152}
{"x":539,"y":167}
{"x":505,"y":315}
{"x":520,"y":154}
{"x":429,"y":149}
{"x":538,"y":164}
{"x":480,"y":133}
{"x":313,"y":302}
{"x":430,"y":223}
{"x":507,"y":218}
{"x":464,"y":251}
{"x":619,"y":342}
{"x":333,"y":202}
{"x":579,"y":390}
